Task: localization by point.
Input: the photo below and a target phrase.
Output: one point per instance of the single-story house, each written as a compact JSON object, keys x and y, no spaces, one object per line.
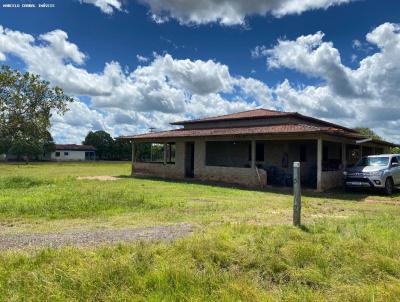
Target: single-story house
{"x":253,"y":148}
{"x":72,"y":152}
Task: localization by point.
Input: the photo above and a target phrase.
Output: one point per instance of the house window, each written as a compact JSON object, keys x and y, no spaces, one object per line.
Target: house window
{"x":157,"y":153}
{"x":65,"y":153}
{"x":227,"y":153}
{"x":259,"y":151}
{"x":149,"y":152}
{"x":57,"y":154}
{"x":89,"y":155}
{"x":303,"y":153}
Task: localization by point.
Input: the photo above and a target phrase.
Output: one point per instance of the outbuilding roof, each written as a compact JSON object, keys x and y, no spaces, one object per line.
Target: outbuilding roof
{"x":74,"y":147}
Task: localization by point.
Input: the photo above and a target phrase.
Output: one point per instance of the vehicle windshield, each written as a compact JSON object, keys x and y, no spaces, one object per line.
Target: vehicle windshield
{"x":373,"y":161}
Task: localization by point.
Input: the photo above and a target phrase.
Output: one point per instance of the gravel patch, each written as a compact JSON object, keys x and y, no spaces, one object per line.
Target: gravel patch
{"x":93,"y":238}
{"x":385,"y":202}
{"x":102,"y":178}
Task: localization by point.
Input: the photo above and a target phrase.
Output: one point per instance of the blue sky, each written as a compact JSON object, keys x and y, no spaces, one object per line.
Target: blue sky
{"x":192,"y":49}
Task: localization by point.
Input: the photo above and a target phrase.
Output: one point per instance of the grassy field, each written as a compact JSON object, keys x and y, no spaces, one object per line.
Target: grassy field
{"x":243,"y":247}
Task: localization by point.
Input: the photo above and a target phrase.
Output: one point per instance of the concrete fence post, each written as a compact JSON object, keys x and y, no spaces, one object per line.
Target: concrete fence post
{"x":296,"y":194}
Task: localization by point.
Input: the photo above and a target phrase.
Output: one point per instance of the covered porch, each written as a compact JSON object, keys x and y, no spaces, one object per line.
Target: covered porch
{"x":256,"y":161}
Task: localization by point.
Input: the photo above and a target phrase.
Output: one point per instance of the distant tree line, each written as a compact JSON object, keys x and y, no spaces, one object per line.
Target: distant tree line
{"x":107,"y":147}
{"x":368,"y":132}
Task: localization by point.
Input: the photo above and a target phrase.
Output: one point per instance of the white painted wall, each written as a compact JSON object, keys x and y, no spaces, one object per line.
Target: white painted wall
{"x":72,"y":155}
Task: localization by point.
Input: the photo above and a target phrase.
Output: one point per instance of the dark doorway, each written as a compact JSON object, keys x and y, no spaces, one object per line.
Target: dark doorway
{"x":189,"y":159}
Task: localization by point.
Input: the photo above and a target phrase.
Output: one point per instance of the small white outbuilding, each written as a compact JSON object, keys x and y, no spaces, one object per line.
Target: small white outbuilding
{"x":72,"y":152}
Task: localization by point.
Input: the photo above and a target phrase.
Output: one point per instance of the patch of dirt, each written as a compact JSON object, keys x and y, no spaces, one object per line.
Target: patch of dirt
{"x":385,"y":202}
{"x":102,"y":178}
{"x":201,"y":200}
{"x":93,"y":238}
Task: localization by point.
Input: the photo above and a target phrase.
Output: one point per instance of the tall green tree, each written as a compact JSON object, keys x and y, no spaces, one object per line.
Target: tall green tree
{"x":102,"y":141}
{"x":122,"y":149}
{"x":26,"y":105}
{"x":368,"y":132}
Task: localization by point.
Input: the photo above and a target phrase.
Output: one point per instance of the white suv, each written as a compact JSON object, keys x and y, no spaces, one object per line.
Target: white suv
{"x":375,"y":171}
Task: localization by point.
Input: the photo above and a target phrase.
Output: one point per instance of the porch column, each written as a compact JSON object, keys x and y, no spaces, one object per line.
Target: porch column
{"x":165,"y":153}
{"x":361,"y":152}
{"x":133,"y":157}
{"x":253,"y":154}
{"x":344,"y":156}
{"x":319,"y":165}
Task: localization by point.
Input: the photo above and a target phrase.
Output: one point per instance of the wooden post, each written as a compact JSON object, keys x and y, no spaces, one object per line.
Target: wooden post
{"x":253,"y":154}
{"x":319,"y":165}
{"x":296,"y":194}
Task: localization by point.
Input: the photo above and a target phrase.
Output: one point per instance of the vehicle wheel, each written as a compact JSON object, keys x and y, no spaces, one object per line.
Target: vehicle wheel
{"x":389,"y":186}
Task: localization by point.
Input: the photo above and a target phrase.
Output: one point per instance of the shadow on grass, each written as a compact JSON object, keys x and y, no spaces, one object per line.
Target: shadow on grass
{"x":338,"y":193}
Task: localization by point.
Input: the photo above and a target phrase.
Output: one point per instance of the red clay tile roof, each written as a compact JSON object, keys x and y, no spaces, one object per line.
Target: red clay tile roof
{"x":236,"y":131}
{"x":73,"y":147}
{"x":250,"y":114}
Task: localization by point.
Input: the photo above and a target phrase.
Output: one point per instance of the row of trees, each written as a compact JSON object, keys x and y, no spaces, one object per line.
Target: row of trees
{"x":107,"y":147}
{"x":370,"y":133}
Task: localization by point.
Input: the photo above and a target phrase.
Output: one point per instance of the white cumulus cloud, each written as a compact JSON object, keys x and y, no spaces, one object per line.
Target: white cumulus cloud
{"x":164,"y":90}
{"x":106,"y":6}
{"x":224,"y":12}
{"x":168,"y":89}
{"x":367,"y":96}
{"x":230,"y":12}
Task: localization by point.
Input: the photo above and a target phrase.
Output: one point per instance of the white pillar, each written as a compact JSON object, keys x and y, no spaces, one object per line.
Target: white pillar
{"x":344,"y":156}
{"x":253,"y":154}
{"x":319,"y":165}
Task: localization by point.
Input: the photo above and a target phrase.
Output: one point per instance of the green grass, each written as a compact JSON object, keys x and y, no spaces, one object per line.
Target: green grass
{"x":243,"y":249}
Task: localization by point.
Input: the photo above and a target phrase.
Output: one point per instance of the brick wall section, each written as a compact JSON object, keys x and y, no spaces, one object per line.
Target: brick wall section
{"x":331,"y":179}
{"x":158,"y":170}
